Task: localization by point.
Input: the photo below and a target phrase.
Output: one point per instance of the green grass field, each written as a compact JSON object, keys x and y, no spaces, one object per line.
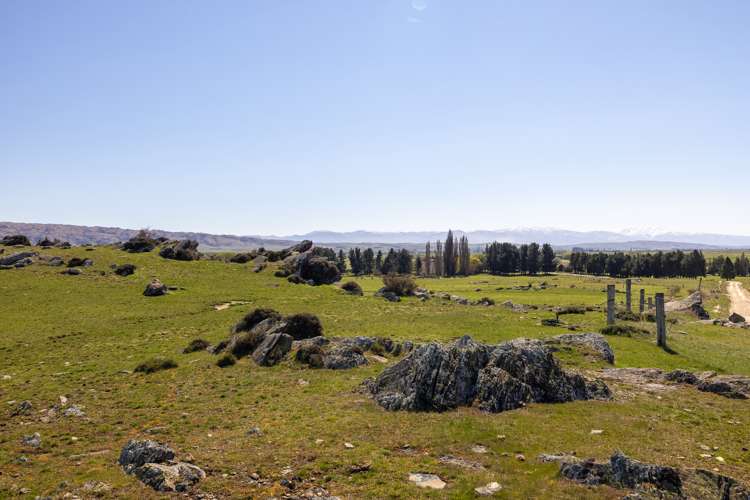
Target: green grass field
{"x":81,"y":336}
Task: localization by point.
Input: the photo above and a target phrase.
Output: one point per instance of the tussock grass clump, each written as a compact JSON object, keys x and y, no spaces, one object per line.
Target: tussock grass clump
{"x":245,"y":343}
{"x":311,"y":355}
{"x":627,"y":316}
{"x":196,"y":345}
{"x":624,"y":330}
{"x":226,"y":360}
{"x":254,"y":317}
{"x":400,"y":285}
{"x":352,"y":287}
{"x":570,"y":310}
{"x":303,"y":326}
{"x":155,"y":364}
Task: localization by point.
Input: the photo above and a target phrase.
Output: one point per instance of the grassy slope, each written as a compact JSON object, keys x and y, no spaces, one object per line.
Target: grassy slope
{"x":72,"y":335}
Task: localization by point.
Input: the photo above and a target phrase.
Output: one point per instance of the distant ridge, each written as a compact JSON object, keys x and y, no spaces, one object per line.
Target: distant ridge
{"x":414,"y":240}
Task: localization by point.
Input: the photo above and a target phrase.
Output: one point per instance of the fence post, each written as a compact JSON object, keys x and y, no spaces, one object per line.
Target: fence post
{"x":610,"y":305}
{"x":650,"y":303}
{"x":629,"y":294}
{"x":642,"y":301}
{"x":661,"y":322}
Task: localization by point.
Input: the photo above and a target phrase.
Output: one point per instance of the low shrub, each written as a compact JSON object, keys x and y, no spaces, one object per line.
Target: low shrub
{"x":352,"y":287}
{"x":125,"y":270}
{"x":196,"y":345}
{"x":143,"y":241}
{"x":627,"y":316}
{"x":75,"y":262}
{"x":254,"y":317}
{"x":624,"y":330}
{"x":181,"y":250}
{"x":570,"y":310}
{"x":155,"y":365}
{"x":311,"y":355}
{"x":15,"y":239}
{"x":303,"y":326}
{"x":400,"y":285}
{"x":226,"y":360}
{"x":245,"y":343}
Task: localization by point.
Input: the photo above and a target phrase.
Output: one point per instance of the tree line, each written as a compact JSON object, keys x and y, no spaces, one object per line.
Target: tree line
{"x":657,"y":265}
{"x":728,"y":270}
{"x":507,"y":258}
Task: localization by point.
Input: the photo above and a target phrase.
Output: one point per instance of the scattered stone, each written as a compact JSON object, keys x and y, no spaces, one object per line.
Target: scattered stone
{"x":431,"y":481}
{"x":254,"y":431}
{"x":23,"y":408}
{"x":692,"y":303}
{"x":596,"y":432}
{"x":390,"y":296}
{"x":593,"y":341}
{"x":33,"y":441}
{"x":478,"y":448}
{"x":357,"y":468}
{"x":520,"y":457}
{"x":153,"y":464}
{"x":96,"y":488}
{"x":155,"y":289}
{"x":348,"y":446}
{"x":73,"y":411}
{"x":21,"y":257}
{"x":488,"y":489}
{"x":71,"y":271}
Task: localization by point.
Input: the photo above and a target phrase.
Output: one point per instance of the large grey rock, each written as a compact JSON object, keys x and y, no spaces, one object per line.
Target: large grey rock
{"x":12,"y":260}
{"x":437,"y":377}
{"x":692,"y":303}
{"x":653,"y":481}
{"x":161,"y":477}
{"x":273,"y":349}
{"x":138,"y":452}
{"x":181,"y":250}
{"x":736,"y":318}
{"x":344,"y":357}
{"x":592,"y":341}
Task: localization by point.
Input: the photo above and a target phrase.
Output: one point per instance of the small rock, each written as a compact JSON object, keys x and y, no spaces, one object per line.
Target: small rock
{"x":431,"y":481}
{"x":488,"y":489}
{"x":348,"y":446}
{"x":363,"y":467}
{"x":254,"y":431}
{"x":63,"y":400}
{"x":478,"y":448}
{"x":597,"y":431}
{"x":720,"y":459}
{"x":34,"y":440}
{"x":520,"y":457}
{"x":74,"y":411}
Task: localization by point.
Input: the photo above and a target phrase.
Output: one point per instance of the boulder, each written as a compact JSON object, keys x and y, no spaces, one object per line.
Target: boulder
{"x":437,"y":377}
{"x":72,"y":271}
{"x":12,"y":260}
{"x":319,"y":270}
{"x":140,"y":243}
{"x":161,"y":477}
{"x":136,"y":453}
{"x":344,"y":357}
{"x":125,"y":270}
{"x":76,"y":262}
{"x":652,"y":481}
{"x":55,"y":262}
{"x":181,"y":250}
{"x":272,"y":349}
{"x":692,"y":303}
{"x":390,"y":296}
{"x":155,"y":289}
{"x":592,"y":341}
{"x":736,"y":318}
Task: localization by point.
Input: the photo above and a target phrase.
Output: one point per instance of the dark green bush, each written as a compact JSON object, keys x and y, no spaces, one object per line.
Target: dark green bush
{"x":195,"y":345}
{"x":245,"y":343}
{"x":311,"y":355}
{"x":155,"y":365}
{"x":352,"y":287}
{"x":254,"y":317}
{"x":400,"y":285}
{"x":303,"y":326}
{"x":225,"y":360}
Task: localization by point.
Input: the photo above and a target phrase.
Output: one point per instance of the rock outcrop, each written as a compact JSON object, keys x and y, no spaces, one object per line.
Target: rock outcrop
{"x":181,"y":250}
{"x":155,"y":289}
{"x":729,"y":386}
{"x":154,"y":465}
{"x":272,"y":349}
{"x":651,"y":481}
{"x":439,"y":377}
{"x":593,"y":342}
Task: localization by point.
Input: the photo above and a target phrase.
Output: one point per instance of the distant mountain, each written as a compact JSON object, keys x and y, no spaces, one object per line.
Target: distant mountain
{"x":414,"y":240}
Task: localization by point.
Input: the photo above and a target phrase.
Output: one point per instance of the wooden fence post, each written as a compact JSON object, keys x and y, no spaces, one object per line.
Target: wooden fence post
{"x":661,"y":322}
{"x":642,"y":301}
{"x":629,"y":294}
{"x":610,"y":305}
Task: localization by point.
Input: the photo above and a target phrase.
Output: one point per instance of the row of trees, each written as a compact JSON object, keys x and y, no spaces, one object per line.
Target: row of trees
{"x":658,"y":265}
{"x":506,"y":258}
{"x":450,"y":259}
{"x":368,"y":262}
{"x":727,"y":269}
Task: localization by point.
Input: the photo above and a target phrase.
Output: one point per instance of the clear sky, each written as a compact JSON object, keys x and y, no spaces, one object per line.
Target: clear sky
{"x":279,"y":117}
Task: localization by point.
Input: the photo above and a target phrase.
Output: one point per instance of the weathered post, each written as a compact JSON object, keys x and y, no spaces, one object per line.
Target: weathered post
{"x":629,"y":294}
{"x":650,"y":303}
{"x":610,"y":305}
{"x":642,"y":301}
{"x":661,"y":322}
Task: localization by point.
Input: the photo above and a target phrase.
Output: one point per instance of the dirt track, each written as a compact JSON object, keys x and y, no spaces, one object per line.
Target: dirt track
{"x":740,"y":299}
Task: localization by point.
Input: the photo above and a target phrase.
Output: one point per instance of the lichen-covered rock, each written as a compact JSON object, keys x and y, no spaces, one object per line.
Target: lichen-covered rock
{"x":14,"y":259}
{"x":138,"y":452}
{"x":272,"y":349}
{"x":593,"y":341}
{"x":344,"y":357}
{"x":161,"y":477}
{"x":125,"y":270}
{"x":652,"y":481}
{"x":437,"y":377}
{"x":181,"y":250}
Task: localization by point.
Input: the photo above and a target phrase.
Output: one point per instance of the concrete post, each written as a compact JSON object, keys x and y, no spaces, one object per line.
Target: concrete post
{"x":642,"y":301}
{"x":661,"y":322}
{"x":610,"y":305}
{"x":629,"y":294}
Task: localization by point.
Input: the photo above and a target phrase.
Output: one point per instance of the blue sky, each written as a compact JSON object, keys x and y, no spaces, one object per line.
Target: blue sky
{"x":279,"y":117}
